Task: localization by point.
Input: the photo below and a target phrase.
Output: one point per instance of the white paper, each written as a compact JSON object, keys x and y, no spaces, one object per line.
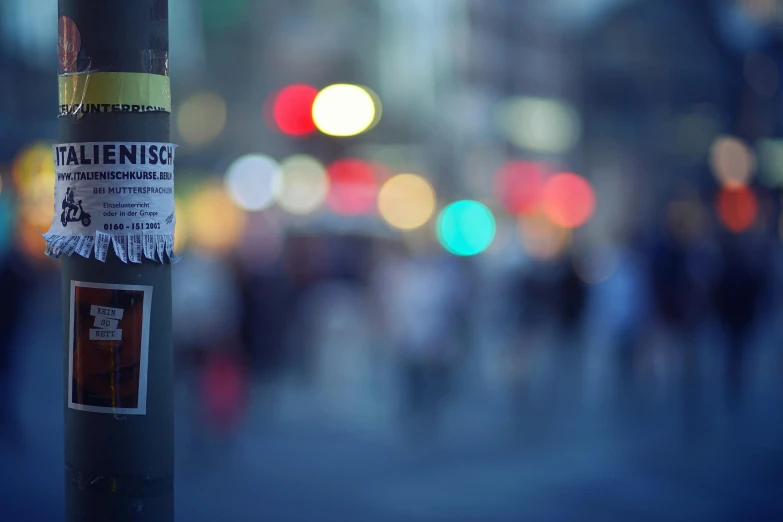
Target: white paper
{"x":106,"y":311}
{"x":105,"y":324}
{"x":149,"y":246}
{"x":134,"y":248}
{"x":101,"y":245}
{"x":84,"y":247}
{"x":121,"y":247}
{"x":116,"y":190}
{"x":105,"y":335}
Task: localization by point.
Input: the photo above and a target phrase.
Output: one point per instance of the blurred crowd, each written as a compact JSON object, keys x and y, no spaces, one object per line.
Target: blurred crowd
{"x":646,"y":319}
{"x":618,"y":253}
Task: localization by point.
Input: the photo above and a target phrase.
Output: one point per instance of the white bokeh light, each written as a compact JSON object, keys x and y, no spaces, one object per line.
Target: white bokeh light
{"x":541,"y":125}
{"x":344,"y":110}
{"x":304,"y":184}
{"x":253,"y":182}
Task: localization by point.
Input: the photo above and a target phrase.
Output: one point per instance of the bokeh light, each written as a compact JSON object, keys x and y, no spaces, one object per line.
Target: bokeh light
{"x":353,"y":187}
{"x":770,"y":160}
{"x":292,"y":110}
{"x":568,"y":200}
{"x":28,"y":240}
{"x":201,"y":118}
{"x":406,"y":201}
{"x":539,"y":124}
{"x":34,"y":217}
{"x":343,"y":110}
{"x":304,"y":184}
{"x":732,"y":162}
{"x":32,"y":171}
{"x":377,"y":104}
{"x":466,"y":228}
{"x":737,"y":208}
{"x":518,"y":186}
{"x":215,"y":224}
{"x":541,"y":238}
{"x":253,"y":181}
{"x":180,"y":226}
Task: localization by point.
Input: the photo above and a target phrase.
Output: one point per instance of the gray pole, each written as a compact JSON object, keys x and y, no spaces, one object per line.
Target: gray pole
{"x":120,"y":467}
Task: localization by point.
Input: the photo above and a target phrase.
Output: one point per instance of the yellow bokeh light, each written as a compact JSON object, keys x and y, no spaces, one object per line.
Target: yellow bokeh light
{"x":214,"y":223}
{"x":344,"y":110}
{"x":304,"y":184}
{"x":732,"y":162}
{"x":201,"y":118}
{"x":406,"y":201}
{"x":376,"y":100}
{"x":33,"y":219}
{"x":181,"y":226}
{"x":33,"y":171}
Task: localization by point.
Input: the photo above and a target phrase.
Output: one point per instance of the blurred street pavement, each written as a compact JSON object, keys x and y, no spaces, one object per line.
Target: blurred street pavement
{"x":304,"y":466}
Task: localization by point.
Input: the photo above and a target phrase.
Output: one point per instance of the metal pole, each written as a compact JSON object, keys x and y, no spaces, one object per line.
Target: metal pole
{"x":120,"y":467}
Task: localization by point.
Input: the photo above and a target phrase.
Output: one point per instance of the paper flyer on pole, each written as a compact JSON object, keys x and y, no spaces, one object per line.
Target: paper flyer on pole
{"x":113,"y":195}
{"x":109,"y":348}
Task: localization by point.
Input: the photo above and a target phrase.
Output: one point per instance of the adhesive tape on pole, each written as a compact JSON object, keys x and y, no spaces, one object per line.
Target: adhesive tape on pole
{"x":92,"y":92}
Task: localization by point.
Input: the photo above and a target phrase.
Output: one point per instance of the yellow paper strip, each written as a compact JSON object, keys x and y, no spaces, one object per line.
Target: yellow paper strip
{"x":86,"y":93}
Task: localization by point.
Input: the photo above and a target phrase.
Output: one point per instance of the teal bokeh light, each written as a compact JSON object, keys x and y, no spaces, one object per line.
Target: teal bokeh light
{"x":466,"y":228}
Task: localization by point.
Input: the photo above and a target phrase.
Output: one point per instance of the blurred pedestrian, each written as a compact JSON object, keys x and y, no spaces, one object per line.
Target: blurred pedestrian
{"x":206,"y":326}
{"x":744,"y":276}
{"x":223,"y":393}
{"x":530,"y":304}
{"x":678,"y":308}
{"x":306,"y":260}
{"x":420,"y":321}
{"x":570,"y":295}
{"x":618,"y":309}
{"x":265,"y":316}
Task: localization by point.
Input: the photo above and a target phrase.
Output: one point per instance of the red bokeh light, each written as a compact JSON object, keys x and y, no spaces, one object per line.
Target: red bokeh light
{"x":518,"y":186}
{"x":568,"y":200}
{"x":353,"y":186}
{"x":292,"y":110}
{"x":737,"y":208}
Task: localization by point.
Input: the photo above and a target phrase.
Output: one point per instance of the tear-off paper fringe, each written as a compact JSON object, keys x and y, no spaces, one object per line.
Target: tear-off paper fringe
{"x":128,"y":247}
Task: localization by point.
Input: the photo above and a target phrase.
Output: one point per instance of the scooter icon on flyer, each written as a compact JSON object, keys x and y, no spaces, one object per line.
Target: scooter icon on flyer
{"x":73,"y":212}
